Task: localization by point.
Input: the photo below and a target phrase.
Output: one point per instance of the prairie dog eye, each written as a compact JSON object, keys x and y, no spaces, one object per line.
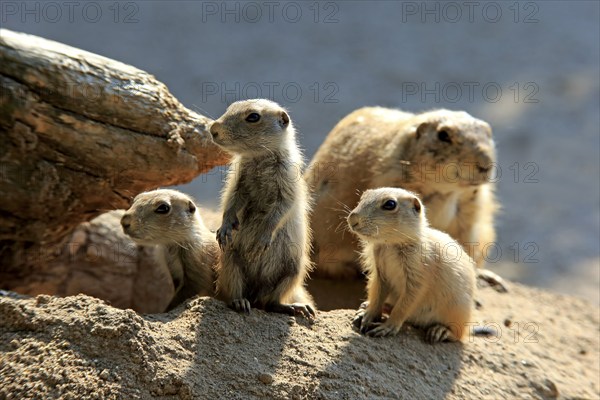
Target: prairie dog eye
{"x":253,"y":117}
{"x":162,"y":209}
{"x":389,"y":205}
{"x":444,"y":136}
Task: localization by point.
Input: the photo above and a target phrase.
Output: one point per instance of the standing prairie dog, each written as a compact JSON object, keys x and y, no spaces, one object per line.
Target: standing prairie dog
{"x":170,"y":220}
{"x":422,"y":272}
{"x":264,"y":235}
{"x":444,"y":156}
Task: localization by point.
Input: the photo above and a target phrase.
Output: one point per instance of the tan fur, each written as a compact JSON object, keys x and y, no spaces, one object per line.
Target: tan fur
{"x":264,"y":235}
{"x":189,"y":249}
{"x":377,"y":147}
{"x":422,"y":272}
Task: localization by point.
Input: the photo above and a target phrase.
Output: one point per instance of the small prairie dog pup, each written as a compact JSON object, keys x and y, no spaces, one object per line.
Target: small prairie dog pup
{"x":170,"y":220}
{"x":422,"y":272}
{"x":443,"y":156}
{"x":264,"y":235}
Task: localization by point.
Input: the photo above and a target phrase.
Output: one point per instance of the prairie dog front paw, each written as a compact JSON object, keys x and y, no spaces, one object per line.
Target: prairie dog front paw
{"x":225,"y":232}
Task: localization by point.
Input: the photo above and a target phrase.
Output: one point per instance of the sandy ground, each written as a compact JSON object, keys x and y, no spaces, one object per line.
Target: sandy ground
{"x":533,"y":69}
{"x":81,"y":348}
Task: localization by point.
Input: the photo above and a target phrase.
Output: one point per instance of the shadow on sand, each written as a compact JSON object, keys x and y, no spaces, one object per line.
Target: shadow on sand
{"x":402,"y":367}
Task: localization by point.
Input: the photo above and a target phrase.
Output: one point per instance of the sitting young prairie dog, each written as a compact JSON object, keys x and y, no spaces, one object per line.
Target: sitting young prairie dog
{"x":423,"y":273}
{"x":444,"y":156}
{"x":264,"y":235}
{"x":170,"y":220}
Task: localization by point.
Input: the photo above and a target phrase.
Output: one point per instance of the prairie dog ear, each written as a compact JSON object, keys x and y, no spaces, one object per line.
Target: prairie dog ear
{"x":284,"y":119}
{"x":422,"y":128}
{"x":417,"y":205}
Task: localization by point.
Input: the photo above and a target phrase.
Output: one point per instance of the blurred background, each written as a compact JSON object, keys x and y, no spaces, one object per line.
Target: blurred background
{"x":531,"y":69}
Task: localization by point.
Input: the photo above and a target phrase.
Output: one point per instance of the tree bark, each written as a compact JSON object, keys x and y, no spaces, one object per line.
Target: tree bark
{"x":81,"y":134}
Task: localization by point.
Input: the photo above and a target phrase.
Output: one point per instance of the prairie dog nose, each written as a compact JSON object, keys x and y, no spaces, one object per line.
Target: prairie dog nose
{"x":483,"y":169}
{"x":353,"y":219}
{"x":126,"y":221}
{"x":485,"y":154}
{"x":214,"y":129}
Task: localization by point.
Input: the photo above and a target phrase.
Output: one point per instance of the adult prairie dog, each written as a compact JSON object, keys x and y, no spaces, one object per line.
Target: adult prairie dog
{"x":264,"y":235}
{"x":422,"y":272}
{"x":170,"y":220}
{"x":443,"y":156}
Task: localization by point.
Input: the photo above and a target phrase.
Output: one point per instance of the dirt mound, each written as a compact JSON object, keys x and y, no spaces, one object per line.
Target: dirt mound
{"x":81,"y":348}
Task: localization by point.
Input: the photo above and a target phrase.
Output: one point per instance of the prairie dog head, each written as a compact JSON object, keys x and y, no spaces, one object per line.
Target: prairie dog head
{"x":161,"y":216}
{"x":453,"y":148}
{"x":389,"y":215}
{"x":252,"y":126}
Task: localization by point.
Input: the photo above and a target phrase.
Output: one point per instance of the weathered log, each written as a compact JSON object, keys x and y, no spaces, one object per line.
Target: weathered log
{"x":81,"y":134}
